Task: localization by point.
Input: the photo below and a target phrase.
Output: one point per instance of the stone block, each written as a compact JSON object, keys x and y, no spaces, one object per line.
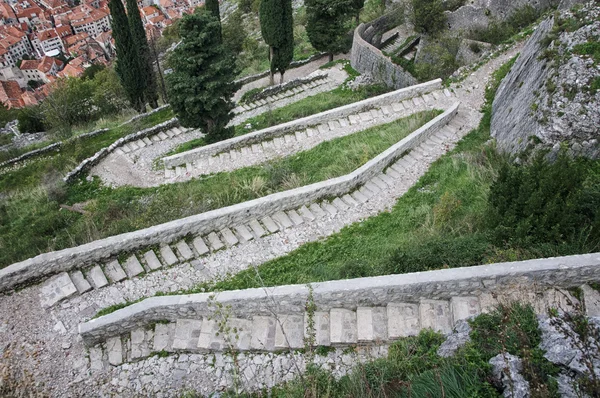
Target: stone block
{"x":307,"y":214}
{"x":258,"y":230}
{"x":342,"y":326}
{"x":114,"y":272}
{"x":140,"y":347}
{"x":163,"y":337}
{"x":435,"y":314}
{"x":114,"y":348}
{"x":244,"y":233}
{"x":371,"y":324}
{"x":263,"y":333}
{"x":289,"y":331}
{"x":340,"y":204}
{"x":57,"y":288}
{"x":320,"y":328}
{"x":214,"y":241}
{"x":270,"y":224}
{"x":167,"y":255}
{"x":295,"y":217}
{"x":229,"y":237}
{"x":317,"y":210}
{"x":96,"y":277}
{"x":133,"y":267}
{"x":152,"y":260}
{"x":283,"y":220}
{"x":200,"y":246}
{"x":464,"y":308}
{"x":591,"y":300}
{"x":403,"y":320}
{"x":184,"y":250}
{"x":80,"y":282}
{"x":187,"y":333}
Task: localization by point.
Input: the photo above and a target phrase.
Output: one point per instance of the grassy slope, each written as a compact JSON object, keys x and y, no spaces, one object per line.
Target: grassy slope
{"x":31,"y":222}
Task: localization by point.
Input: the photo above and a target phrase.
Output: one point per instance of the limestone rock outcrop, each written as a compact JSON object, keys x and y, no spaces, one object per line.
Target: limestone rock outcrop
{"x":549,"y":99}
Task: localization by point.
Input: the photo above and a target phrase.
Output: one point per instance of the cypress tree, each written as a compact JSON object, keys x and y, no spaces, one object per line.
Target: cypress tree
{"x":212,"y":6}
{"x":127,"y":64}
{"x":328,"y":25}
{"x":201,"y":86}
{"x":276,"y":26}
{"x":138,"y":34}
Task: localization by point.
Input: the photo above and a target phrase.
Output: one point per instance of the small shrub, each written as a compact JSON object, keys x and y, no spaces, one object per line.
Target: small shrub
{"x":428,"y":16}
{"x":31,"y":120}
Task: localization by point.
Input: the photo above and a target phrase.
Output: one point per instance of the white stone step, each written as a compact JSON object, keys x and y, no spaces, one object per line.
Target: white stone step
{"x":270,"y":224}
{"x":257,"y":229}
{"x":81,"y":284}
{"x":187,"y":333}
{"x":317,"y":210}
{"x":114,"y":272}
{"x":244,"y":233}
{"x":340,"y":204}
{"x":371,"y":186}
{"x":184,"y":250}
{"x":388,"y":181}
{"x":342,"y":326}
{"x":168,"y":256}
{"x":464,"y":308}
{"x":591,"y":300}
{"x":162,"y":136}
{"x":263,"y":333}
{"x":391,"y":173}
{"x":403,"y":320}
{"x":214,"y":241}
{"x":371,"y":324}
{"x":141,"y":343}
{"x":147,"y":141}
{"x":379,"y":182}
{"x":229,"y":237}
{"x":300,"y":135}
{"x":57,"y":288}
{"x":320,"y":328}
{"x":306,"y":213}
{"x":349,"y":200}
{"x":163,"y":337}
{"x":289,"y":331}
{"x":283,"y":220}
{"x":289,"y":138}
{"x":97,"y":277}
{"x":295,"y":217}
{"x":323,"y":128}
{"x":152,"y":260}
{"x":170,"y":133}
{"x":114,"y":349}
{"x":359,"y":197}
{"x":366,"y":192}
{"x":200,"y":246}
{"x":435,"y":314}
{"x":311,"y":132}
{"x":329,"y":208}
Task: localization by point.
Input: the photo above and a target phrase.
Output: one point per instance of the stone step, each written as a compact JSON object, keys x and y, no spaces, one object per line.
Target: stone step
{"x":141,"y":341}
{"x":591,"y":300}
{"x":184,"y":250}
{"x":263,"y":333}
{"x":200,"y":246}
{"x":186,"y":334}
{"x":317,"y":210}
{"x":163,"y":337}
{"x":403,"y":320}
{"x":168,"y":256}
{"x":81,"y":284}
{"x":114,"y":272}
{"x":463,"y":308}
{"x":57,"y":288}
{"x":244,"y":233}
{"x":371,"y":324}
{"x":257,"y":228}
{"x":283,"y":220}
{"x":214,"y":241}
{"x":295,"y":217}
{"x":289,"y":331}
{"x":152,"y":260}
{"x":96,"y":277}
{"x":317,"y":326}
{"x":306,"y":213}
{"x":229,"y":237}
{"x":342,"y":326}
{"x":435,"y":314}
{"x":270,"y":224}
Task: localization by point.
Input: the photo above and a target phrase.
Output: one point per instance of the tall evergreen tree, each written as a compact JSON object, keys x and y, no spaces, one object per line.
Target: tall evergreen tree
{"x":357,"y":6}
{"x":201,"y":86}
{"x":127,"y":64}
{"x":212,"y":6}
{"x":276,"y":25}
{"x":328,"y":25}
{"x":138,"y":34}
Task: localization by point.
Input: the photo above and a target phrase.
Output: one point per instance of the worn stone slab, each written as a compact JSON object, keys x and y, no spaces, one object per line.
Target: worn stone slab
{"x":403,"y":320}
{"x":140,"y":143}
{"x":184,"y":250}
{"x":317,"y":210}
{"x":258,"y":230}
{"x":349,"y":200}
{"x":162,"y":136}
{"x":214,"y":241}
{"x":320,"y":328}
{"x":289,"y":331}
{"x":168,"y":256}
{"x":163,"y":337}
{"x":307,"y":214}
{"x":244,"y":233}
{"x":300,"y":135}
{"x":139,"y":344}
{"x":81,"y":284}
{"x":386,"y":110}
{"x":211,"y":336}
{"x":97,"y":277}
{"x":114,"y":272}
{"x":391,"y":173}
{"x":283,"y":220}
{"x":340,"y":204}
{"x":344,"y":122}
{"x":397,"y":107}
{"x":114,"y":348}
{"x":200,"y":246}
{"x":372,"y":187}
{"x":256,"y":148}
{"x":240,"y":333}
{"x":133,"y":267}
{"x":371,"y":324}
{"x":366,"y":192}
{"x":379,"y":182}
{"x":152,"y":260}
{"x":359,"y":197}
{"x":295,"y":217}
{"x":464,"y":308}
{"x":270,"y":224}
{"x":96,"y":360}
{"x":591,"y":300}
{"x":329,"y":208}
{"x":323,"y":128}
{"x":57,"y":288}
{"x":343,"y":326}
{"x":365,"y":116}
{"x":289,"y":138}
{"x":435,"y":314}
{"x":354,"y":119}
{"x":187,"y":333}
{"x":386,"y":179}
{"x":263,"y":333}
{"x":311,"y":132}
{"x":229,"y":237}
{"x":147,"y":140}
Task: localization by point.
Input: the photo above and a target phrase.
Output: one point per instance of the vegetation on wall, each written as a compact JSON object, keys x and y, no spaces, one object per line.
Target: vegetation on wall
{"x":428,"y":16}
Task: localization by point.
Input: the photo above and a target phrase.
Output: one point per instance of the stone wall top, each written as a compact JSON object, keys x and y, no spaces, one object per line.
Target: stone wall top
{"x":565,"y":272}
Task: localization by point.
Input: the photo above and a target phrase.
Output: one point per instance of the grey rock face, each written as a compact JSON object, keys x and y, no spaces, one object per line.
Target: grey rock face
{"x":548,"y":97}
{"x":507,"y":368}
{"x":457,"y":339}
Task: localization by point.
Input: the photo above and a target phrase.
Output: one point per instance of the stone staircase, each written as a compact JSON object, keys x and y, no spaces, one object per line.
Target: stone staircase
{"x":336,"y":327}
{"x":306,"y":138}
{"x":245,"y":107}
{"x":190,"y":250}
{"x":131,"y":148}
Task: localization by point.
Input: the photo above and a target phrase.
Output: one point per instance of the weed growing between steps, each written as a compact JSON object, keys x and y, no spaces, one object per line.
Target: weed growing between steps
{"x":31,"y":222}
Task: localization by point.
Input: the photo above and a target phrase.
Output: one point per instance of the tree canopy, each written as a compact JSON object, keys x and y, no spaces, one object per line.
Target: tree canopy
{"x":329,"y":24}
{"x":276,"y":25}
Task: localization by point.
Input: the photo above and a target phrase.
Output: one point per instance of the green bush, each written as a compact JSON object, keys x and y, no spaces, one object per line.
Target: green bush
{"x":428,"y":16}
{"x":31,"y":120}
{"x":499,"y":32}
{"x":437,"y":60}
{"x":545,"y":202}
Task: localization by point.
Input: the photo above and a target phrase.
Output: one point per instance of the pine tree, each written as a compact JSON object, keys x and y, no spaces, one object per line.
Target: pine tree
{"x":138,"y":34}
{"x":328,"y":25}
{"x":276,"y":25}
{"x":201,"y":86}
{"x":357,"y":6}
{"x":212,"y":6}
{"x":127,"y":64}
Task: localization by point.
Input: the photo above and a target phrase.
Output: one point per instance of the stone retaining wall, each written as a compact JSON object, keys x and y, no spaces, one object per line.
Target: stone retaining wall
{"x":563,"y":272}
{"x":92,"y":161}
{"x":299,"y":124}
{"x":367,"y":58}
{"x":294,"y":64}
{"x":47,"y":264}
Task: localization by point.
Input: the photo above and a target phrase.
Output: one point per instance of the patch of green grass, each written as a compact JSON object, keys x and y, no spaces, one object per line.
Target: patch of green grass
{"x":6,"y":139}
{"x":591,"y":48}
{"x":187,"y":146}
{"x":32,"y":222}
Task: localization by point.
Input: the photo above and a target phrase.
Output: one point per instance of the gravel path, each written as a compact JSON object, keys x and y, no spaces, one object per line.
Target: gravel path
{"x":46,"y":342}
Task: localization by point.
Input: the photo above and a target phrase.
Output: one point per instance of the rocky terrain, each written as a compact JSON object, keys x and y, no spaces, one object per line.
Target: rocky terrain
{"x":551,"y":97}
